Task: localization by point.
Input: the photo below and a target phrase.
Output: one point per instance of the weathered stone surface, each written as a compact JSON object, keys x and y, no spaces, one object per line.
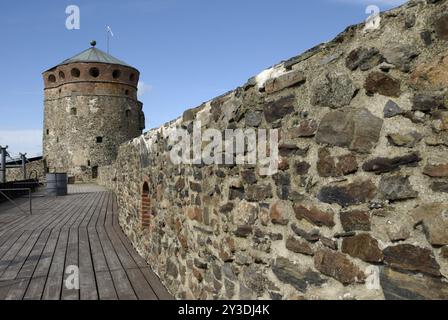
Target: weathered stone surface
{"x":280,"y":212}
{"x":364,"y":58}
{"x":363,"y":247}
{"x":306,"y":128}
{"x":358,"y":131}
{"x":285,"y":80}
{"x":440,"y":187}
{"x":249,"y":176}
{"x":405,"y":140}
{"x":384,"y":165}
{"x":253,"y":119}
{"x":171,"y":268}
{"x":402,"y":286}
{"x":259,"y":192}
{"x":427,"y":102}
{"x":332,"y":90}
{"x":381,"y":83}
{"x":355,"y":220}
{"x":338,"y":266}
{"x":312,"y":236}
{"x":432,"y":75}
{"x":300,"y":278}
{"x":391,"y":109}
{"x":444,"y":252}
{"x":329,"y":243}
{"x":314,"y":215}
{"x":434,"y":218}
{"x":194,"y":213}
{"x":243,"y":231}
{"x":328,"y":166}
{"x":400,"y":55}
{"x":396,"y":188}
{"x":436,"y":171}
{"x":278,"y":109}
{"x":354,"y":193}
{"x":299,"y":246}
{"x":290,"y":149}
{"x":441,"y":27}
{"x":302,"y":168}
{"x":397,"y":232}
{"x":411,"y":258}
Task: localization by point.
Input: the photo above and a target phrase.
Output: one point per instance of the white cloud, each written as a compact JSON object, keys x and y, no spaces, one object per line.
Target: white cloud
{"x":143,"y":88}
{"x":24,"y":141}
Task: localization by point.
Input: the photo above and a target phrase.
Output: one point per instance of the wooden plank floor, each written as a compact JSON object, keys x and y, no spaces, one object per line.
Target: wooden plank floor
{"x":80,"y":230}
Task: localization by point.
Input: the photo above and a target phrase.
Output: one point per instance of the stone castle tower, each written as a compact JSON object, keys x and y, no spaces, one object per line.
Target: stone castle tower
{"x":91,"y":107}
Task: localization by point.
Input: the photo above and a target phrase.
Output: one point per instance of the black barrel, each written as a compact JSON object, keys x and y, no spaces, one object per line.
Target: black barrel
{"x":56,"y":184}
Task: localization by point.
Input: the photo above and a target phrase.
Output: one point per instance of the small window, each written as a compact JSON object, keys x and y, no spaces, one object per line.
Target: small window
{"x":73,"y":111}
{"x":132,"y":77}
{"x":61,"y":75}
{"x":95,"y":172}
{"x":57,"y":139}
{"x":60,"y":90}
{"x":99,"y":139}
{"x":94,"y":72}
{"x":116,"y":74}
{"x":126,"y":92}
{"x":48,"y":132}
{"x":75,"y":72}
{"x":88,"y":163}
{"x":128,"y":113}
{"x":51,"y":78}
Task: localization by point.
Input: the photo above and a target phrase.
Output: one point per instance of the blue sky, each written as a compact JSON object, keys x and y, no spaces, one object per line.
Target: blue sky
{"x":188,"y":51}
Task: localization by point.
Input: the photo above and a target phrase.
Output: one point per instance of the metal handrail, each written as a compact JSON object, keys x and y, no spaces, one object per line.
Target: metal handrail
{"x":14,"y":203}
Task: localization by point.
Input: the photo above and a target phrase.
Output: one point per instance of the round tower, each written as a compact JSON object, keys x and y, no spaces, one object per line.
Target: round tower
{"x":91,"y":107}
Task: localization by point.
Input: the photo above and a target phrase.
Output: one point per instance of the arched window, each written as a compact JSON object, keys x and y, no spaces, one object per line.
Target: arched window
{"x":94,"y":72}
{"x":128,"y":113}
{"x":146,"y":206}
{"x":61,"y":75}
{"x":51,"y":78}
{"x":116,"y":74}
{"x":75,"y":72}
{"x":132,"y":77}
{"x":73,"y":111}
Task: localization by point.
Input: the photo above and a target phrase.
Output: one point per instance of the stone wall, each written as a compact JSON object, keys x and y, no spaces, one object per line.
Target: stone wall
{"x":33,"y":169}
{"x":359,"y":207}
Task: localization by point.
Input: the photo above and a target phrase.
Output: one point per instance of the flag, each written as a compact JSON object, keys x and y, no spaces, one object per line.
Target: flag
{"x":110,"y":31}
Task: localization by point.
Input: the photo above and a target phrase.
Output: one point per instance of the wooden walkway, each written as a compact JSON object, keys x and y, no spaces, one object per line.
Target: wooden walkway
{"x":79,"y":230}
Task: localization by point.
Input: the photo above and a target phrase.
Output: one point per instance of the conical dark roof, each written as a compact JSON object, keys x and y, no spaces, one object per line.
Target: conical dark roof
{"x":94,"y":55}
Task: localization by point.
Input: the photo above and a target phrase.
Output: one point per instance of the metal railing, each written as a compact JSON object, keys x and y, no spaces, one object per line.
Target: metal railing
{"x":14,"y":203}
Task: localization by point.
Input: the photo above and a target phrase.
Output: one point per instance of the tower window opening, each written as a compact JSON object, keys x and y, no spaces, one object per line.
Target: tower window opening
{"x":51,"y":78}
{"x":95,"y":172}
{"x":126,"y":92}
{"x":128,"y":113}
{"x":61,"y":75}
{"x":48,"y":132}
{"x":75,"y":72}
{"x":132,"y":77}
{"x":99,"y":139}
{"x":88,"y":163}
{"x":116,"y":74}
{"x":94,"y":72}
{"x":73,"y":111}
